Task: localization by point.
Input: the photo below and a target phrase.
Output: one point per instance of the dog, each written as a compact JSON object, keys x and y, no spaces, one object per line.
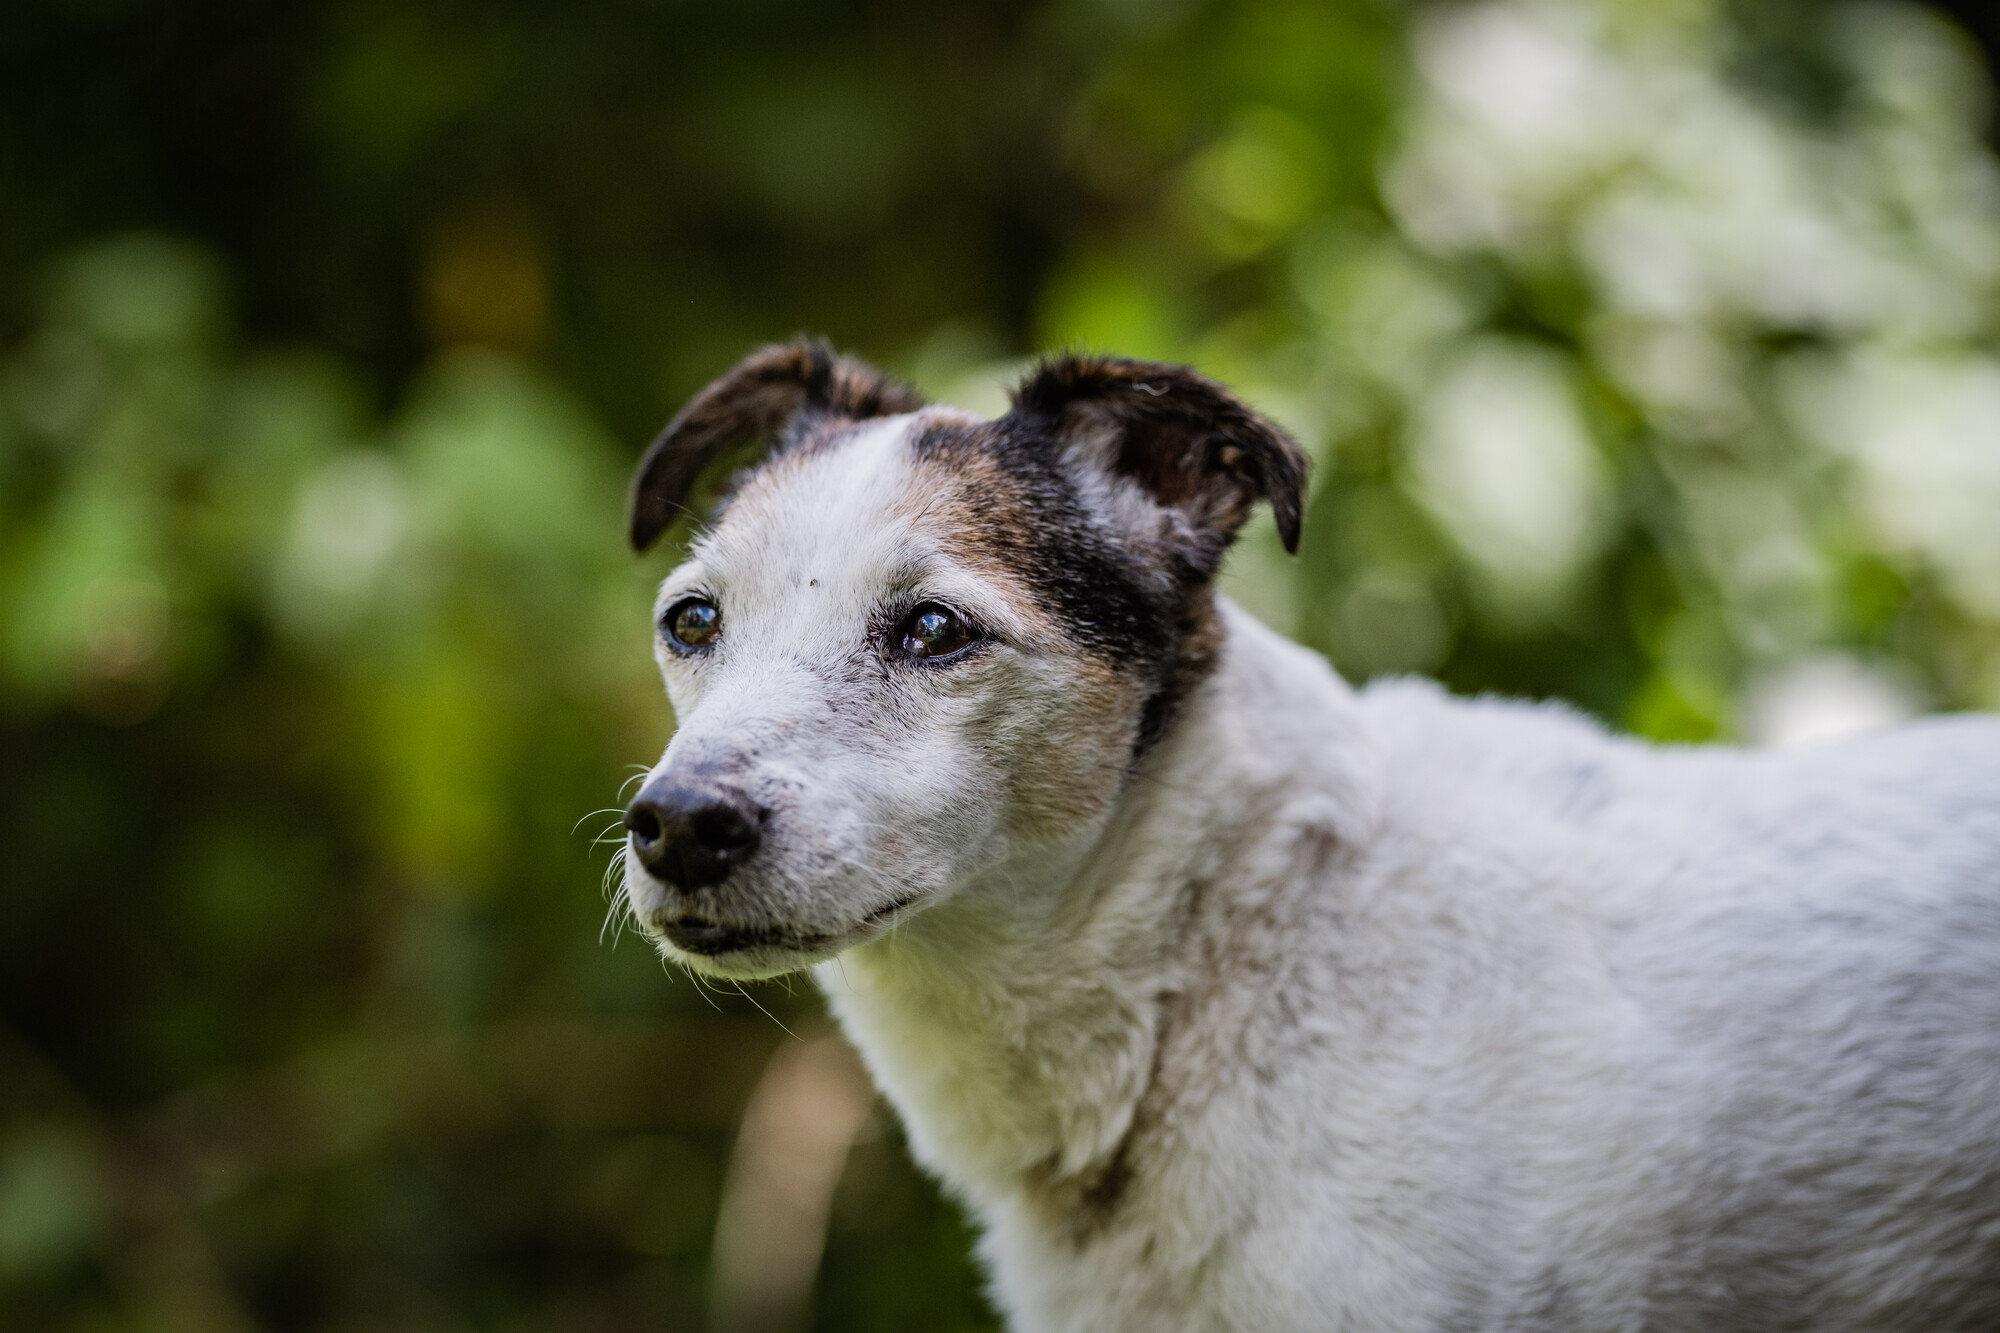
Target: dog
{"x":1230,"y":998}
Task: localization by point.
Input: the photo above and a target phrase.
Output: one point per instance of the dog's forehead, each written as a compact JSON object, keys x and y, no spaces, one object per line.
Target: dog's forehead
{"x":852,"y":514}
{"x":829,"y":506}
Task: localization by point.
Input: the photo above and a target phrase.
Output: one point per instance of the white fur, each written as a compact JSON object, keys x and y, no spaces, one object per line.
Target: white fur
{"x":1387,"y":1011}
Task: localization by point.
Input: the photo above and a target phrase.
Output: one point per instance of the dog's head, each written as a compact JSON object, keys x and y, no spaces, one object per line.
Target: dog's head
{"x":913,"y":644}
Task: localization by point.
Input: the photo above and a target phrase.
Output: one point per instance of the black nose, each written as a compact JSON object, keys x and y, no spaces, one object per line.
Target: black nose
{"x":692,"y":837}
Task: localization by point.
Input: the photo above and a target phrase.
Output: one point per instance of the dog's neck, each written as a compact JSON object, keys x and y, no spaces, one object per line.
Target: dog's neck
{"x":1016,"y":1026}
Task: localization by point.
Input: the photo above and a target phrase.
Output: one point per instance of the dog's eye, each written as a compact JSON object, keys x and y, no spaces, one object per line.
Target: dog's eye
{"x":931,"y":632}
{"x":692,"y":622}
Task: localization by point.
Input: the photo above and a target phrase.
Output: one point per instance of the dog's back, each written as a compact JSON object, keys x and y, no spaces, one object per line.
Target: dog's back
{"x":1805,"y":952}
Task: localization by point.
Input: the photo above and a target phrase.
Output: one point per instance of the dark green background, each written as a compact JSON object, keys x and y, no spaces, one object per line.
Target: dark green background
{"x":327,"y":333}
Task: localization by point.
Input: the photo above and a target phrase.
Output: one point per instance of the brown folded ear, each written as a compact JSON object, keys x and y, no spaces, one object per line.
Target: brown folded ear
{"x":759,"y":397}
{"x":1181,"y":436}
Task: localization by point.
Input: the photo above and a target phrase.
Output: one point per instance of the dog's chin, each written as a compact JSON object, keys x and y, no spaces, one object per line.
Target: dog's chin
{"x":750,"y":953}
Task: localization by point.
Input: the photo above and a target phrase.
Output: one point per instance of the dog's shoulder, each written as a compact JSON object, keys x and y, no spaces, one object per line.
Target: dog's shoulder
{"x":1422,"y":710}
{"x":1498,"y":754}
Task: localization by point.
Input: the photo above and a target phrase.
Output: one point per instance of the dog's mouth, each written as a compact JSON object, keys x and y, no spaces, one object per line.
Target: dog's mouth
{"x":712,"y":939}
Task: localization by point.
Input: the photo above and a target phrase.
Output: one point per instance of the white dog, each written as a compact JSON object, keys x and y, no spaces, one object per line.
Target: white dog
{"x":1229,"y":998}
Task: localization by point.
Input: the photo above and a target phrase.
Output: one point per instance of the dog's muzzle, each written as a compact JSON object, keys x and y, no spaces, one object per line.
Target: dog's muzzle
{"x":690,"y":837}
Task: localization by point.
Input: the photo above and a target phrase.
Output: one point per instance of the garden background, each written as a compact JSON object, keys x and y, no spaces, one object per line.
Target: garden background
{"x":1649,"y":354}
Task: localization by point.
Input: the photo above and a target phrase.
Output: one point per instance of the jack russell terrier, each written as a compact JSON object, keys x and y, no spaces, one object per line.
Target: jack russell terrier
{"x":1230,"y":998}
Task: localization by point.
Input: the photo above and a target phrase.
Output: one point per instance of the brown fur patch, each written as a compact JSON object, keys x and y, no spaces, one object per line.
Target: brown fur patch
{"x":1139,"y":627}
{"x":966,"y":502}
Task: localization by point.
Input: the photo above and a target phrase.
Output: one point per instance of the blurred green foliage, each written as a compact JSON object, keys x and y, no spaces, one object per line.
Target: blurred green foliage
{"x":1647,"y":354}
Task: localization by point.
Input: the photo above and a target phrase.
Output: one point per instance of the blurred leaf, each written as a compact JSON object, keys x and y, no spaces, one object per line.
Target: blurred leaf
{"x":51,"y":1200}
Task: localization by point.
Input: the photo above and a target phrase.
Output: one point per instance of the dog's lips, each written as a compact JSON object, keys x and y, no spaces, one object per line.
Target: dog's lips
{"x":708,"y":938}
{"x":888,"y":913}
{"x":712,"y":939}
